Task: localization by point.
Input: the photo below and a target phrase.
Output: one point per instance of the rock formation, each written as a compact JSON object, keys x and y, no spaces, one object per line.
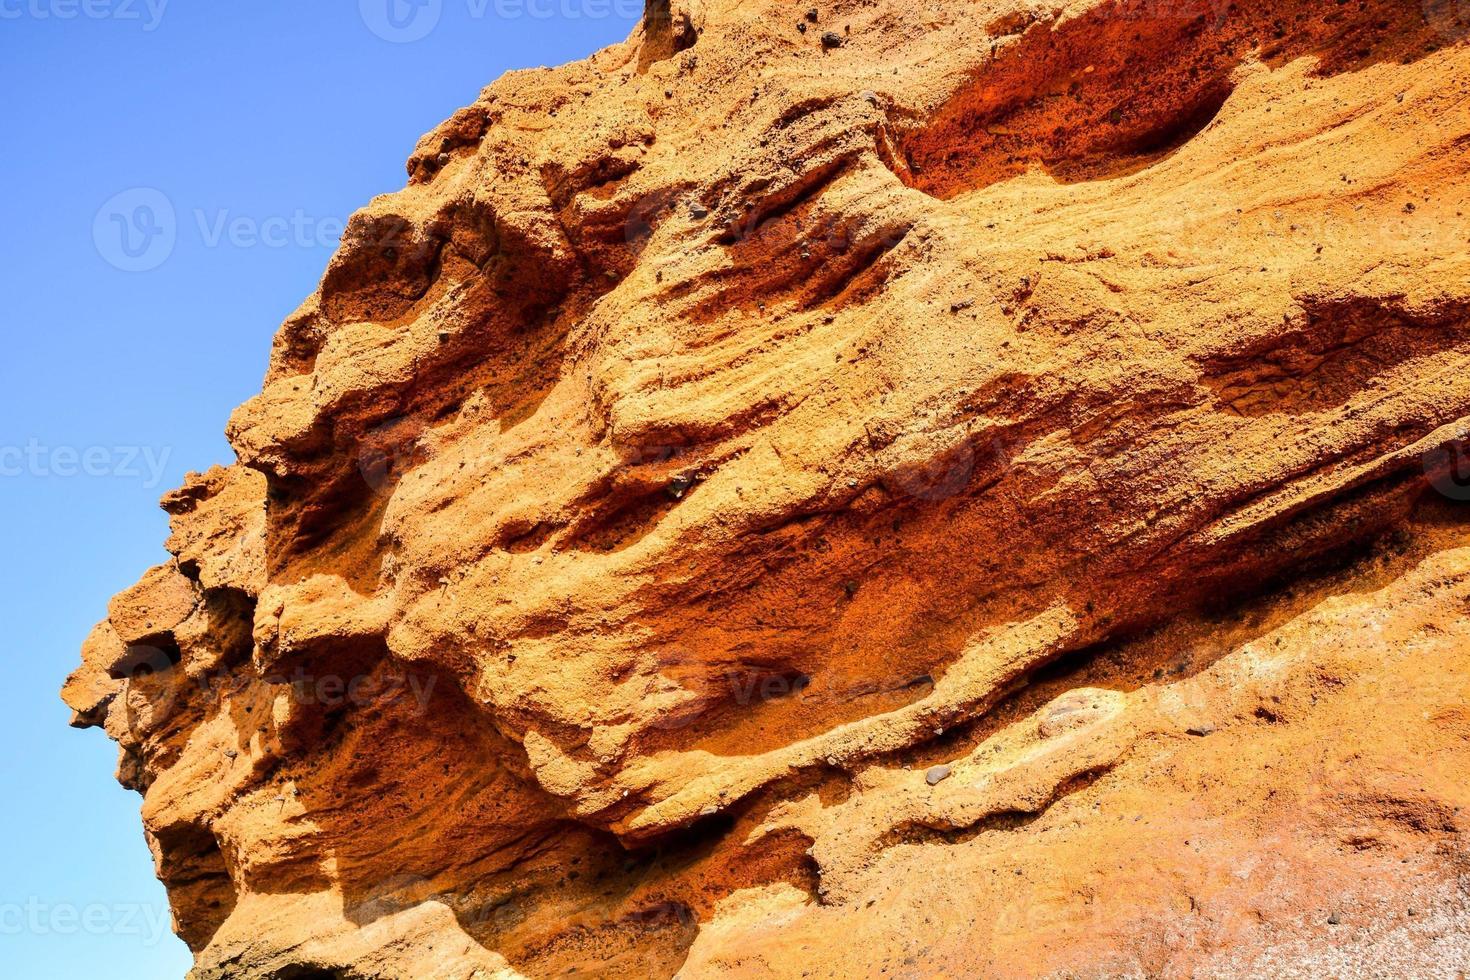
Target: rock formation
{"x":912,"y":490}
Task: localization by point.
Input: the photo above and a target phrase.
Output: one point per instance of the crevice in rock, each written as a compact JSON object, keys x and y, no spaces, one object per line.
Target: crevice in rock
{"x":194,"y":871}
{"x":1334,"y":355}
{"x":668,"y":29}
{"x":1117,"y":89}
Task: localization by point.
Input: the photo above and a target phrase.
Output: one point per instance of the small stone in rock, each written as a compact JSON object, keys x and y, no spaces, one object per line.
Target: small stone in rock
{"x":937,"y":775}
{"x":831,"y":39}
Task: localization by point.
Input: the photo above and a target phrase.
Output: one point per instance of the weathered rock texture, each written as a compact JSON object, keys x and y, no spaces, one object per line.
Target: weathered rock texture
{"x":969,"y":489}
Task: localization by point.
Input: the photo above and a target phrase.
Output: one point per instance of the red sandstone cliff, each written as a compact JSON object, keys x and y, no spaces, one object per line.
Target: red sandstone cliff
{"x":927,"y":491}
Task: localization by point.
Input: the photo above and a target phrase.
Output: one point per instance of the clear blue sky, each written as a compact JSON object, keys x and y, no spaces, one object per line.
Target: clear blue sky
{"x":276,"y":118}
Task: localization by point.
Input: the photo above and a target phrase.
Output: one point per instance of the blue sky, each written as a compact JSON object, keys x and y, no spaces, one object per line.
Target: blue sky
{"x":230,"y":140}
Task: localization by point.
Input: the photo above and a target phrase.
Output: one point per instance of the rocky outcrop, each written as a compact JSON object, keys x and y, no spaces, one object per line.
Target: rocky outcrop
{"x":983,"y":483}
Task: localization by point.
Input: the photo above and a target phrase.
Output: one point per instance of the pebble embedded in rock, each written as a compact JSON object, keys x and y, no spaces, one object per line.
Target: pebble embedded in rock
{"x":1071,"y":712}
{"x":831,"y":39}
{"x":937,"y":775}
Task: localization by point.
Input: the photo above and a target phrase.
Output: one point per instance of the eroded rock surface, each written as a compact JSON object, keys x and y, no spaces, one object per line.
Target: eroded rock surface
{"x":719,"y":439}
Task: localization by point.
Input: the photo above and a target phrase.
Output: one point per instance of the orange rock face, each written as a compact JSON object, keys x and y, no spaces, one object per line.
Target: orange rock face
{"x":908,"y":490}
